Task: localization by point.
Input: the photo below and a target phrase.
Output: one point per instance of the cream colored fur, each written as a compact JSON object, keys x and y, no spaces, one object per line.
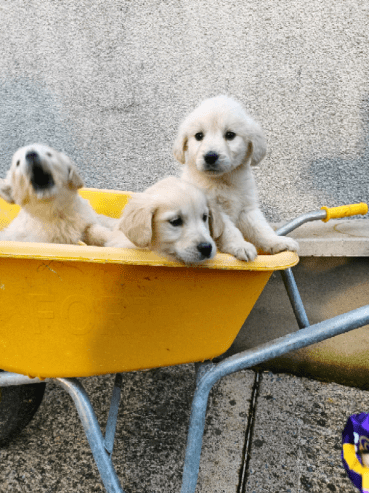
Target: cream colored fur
{"x":45,"y":183}
{"x":173,"y":218}
{"x":219,"y":129}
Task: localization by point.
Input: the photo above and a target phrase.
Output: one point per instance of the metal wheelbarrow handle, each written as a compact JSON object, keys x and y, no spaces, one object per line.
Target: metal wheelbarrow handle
{"x":324,"y":214}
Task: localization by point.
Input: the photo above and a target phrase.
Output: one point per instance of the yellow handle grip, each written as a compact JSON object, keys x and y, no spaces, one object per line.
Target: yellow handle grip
{"x":345,"y":210}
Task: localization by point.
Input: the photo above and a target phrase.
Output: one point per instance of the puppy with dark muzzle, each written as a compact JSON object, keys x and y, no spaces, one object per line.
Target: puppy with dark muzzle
{"x":45,"y":183}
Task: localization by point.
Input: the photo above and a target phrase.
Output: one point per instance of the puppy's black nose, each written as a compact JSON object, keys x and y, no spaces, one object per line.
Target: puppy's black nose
{"x":211,"y":157}
{"x":32,"y":157}
{"x":41,"y":178}
{"x":205,"y":249}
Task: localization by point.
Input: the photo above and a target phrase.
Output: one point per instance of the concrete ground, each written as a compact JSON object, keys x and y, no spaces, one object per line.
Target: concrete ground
{"x":294,"y":447}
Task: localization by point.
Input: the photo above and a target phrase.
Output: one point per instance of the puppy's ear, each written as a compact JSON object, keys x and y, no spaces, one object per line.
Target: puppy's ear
{"x":6,"y":191}
{"x":136,"y":220}
{"x":216,"y":223}
{"x":258,"y":147}
{"x":74,"y":180}
{"x":180,"y":145}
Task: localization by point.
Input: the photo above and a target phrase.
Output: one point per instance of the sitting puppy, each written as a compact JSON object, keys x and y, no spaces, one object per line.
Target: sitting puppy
{"x":44,"y":183}
{"x":218,"y":143}
{"x":173,"y":218}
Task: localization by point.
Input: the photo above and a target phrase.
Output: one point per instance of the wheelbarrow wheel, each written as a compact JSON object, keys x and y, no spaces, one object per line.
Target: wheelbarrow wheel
{"x":18,"y":405}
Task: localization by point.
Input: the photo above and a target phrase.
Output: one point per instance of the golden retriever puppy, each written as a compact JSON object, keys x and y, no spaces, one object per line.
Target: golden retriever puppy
{"x":173,"y":218}
{"x":218,"y":143}
{"x":45,"y":183}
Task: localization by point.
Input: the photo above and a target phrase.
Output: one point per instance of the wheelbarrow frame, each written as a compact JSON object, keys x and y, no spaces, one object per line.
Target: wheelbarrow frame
{"x":208,"y":373}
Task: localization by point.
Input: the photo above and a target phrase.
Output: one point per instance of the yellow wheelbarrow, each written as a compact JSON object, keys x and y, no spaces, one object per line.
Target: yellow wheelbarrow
{"x":71,"y":311}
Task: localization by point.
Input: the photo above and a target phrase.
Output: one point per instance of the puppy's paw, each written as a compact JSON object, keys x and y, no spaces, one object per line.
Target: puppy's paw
{"x":96,"y":235}
{"x":243,"y":251}
{"x":119,"y":240}
{"x":281,"y":244}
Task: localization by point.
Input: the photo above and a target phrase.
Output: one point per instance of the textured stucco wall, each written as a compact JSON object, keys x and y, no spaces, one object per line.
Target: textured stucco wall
{"x":109,"y":81}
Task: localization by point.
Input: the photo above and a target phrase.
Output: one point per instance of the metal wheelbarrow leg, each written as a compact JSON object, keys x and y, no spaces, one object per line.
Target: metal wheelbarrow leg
{"x":101,"y":448}
{"x":93,"y":432}
{"x":210,"y":373}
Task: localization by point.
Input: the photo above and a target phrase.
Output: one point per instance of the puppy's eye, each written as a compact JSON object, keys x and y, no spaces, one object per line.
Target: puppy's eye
{"x":199,"y":136}
{"x":177,"y":221}
{"x":230,"y":135}
{"x":205,"y":217}
{"x":17,"y":163}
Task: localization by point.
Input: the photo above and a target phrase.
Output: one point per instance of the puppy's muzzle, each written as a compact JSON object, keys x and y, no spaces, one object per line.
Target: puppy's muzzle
{"x":211,"y":161}
{"x":205,"y":249}
{"x":41,"y":179}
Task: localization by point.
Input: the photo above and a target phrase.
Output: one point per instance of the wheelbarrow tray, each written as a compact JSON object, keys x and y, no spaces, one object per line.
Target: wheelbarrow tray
{"x":74,"y":311}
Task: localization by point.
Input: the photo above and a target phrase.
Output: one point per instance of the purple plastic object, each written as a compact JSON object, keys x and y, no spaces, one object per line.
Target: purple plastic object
{"x":355,"y":445}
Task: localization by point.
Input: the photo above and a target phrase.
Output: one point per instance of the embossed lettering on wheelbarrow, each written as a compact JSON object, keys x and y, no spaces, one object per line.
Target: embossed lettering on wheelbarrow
{"x":69,"y":310}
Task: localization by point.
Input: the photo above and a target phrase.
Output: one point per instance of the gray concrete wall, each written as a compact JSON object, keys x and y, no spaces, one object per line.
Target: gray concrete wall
{"x":109,"y":81}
